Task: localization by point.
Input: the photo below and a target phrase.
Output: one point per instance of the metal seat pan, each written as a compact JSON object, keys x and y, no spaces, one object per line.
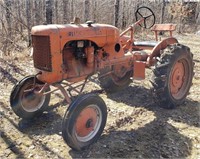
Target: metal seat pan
{"x":145,"y":43}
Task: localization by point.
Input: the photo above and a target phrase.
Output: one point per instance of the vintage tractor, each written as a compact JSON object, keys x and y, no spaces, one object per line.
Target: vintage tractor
{"x":68,"y":56}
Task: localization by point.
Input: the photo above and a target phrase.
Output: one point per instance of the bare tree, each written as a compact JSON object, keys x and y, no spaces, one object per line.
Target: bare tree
{"x":95,"y":10}
{"x":28,"y":18}
{"x":72,"y":9}
{"x":116,"y":17}
{"x":124,"y":19}
{"x":162,"y":11}
{"x":8,"y":16}
{"x":197,"y":14}
{"x":20,"y":15}
{"x":87,"y":11}
{"x":37,"y":12}
{"x":65,"y":11}
{"x":56,"y":11}
{"x":49,"y":11}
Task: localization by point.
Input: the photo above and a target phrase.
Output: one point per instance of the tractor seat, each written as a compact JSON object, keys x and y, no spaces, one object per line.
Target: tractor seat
{"x":145,"y":43}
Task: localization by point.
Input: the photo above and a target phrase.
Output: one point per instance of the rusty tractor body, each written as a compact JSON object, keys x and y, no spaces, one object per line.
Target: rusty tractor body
{"x":67,"y":56}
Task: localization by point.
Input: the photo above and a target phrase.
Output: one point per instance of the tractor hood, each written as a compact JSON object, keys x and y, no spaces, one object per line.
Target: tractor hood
{"x":98,"y":33}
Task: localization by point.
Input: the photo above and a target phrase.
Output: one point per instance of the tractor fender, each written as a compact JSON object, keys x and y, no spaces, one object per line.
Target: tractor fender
{"x":160,"y":46}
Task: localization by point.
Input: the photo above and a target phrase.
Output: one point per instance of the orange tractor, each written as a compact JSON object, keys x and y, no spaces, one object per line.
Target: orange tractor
{"x":68,"y":56}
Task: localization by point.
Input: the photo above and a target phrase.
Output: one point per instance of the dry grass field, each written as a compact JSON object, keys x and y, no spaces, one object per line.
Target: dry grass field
{"x":136,"y":126}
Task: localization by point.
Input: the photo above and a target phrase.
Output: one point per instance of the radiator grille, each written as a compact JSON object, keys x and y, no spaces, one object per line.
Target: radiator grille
{"x":42,"y":53}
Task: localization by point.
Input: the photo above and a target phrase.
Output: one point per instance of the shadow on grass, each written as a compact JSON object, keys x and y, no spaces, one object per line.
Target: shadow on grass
{"x":14,"y":67}
{"x":47,"y":124}
{"x":11,"y":145}
{"x":8,"y":76}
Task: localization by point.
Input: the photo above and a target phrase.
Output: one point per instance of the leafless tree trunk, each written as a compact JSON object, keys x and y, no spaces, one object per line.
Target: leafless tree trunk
{"x":87,"y":11}
{"x":56,"y":11}
{"x":197,"y":13}
{"x":28,"y":19}
{"x":124,"y":20}
{"x":95,"y":10}
{"x":20,"y":16}
{"x":49,"y":12}
{"x":65,"y":11}
{"x":72,"y":10}
{"x":116,"y":17}
{"x":37,"y":12}
{"x":8,"y":16}
{"x":162,"y":11}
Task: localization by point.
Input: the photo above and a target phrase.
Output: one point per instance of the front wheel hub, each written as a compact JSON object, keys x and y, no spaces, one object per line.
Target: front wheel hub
{"x":31,"y":101}
{"x":88,"y":123}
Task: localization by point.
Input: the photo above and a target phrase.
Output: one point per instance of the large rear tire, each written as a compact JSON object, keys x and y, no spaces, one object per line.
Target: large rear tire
{"x":112,"y":82}
{"x":172,"y":76}
{"x":27,"y":104}
{"x":84,"y":121}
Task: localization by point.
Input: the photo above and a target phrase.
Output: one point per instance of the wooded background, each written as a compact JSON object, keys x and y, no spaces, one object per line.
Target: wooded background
{"x":18,"y":16}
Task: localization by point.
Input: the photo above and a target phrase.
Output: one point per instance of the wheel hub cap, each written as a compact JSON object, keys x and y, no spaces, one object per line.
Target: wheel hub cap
{"x":86,"y":121}
{"x":32,"y":102}
{"x":177,"y":77}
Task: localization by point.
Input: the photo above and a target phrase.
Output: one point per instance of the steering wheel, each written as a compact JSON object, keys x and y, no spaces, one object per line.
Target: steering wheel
{"x":148,"y":15}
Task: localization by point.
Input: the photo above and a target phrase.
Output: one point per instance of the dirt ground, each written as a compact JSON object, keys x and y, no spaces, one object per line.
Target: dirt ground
{"x":136,"y":126}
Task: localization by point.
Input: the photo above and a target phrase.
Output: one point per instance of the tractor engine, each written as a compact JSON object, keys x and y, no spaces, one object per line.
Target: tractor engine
{"x":79,"y":51}
{"x":78,"y":58}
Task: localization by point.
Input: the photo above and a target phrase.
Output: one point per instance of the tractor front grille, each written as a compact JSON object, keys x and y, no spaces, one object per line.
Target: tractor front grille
{"x":42,"y":52}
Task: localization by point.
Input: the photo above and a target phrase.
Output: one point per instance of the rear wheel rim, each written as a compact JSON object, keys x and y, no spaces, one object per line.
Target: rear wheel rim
{"x":31,"y":101}
{"x":88,"y":123}
{"x":179,"y":79}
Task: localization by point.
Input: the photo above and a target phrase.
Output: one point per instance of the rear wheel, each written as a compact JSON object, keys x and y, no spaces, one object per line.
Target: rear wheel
{"x":24,"y":102}
{"x":84,"y":121}
{"x":172,"y":76}
{"x":113,"y":82}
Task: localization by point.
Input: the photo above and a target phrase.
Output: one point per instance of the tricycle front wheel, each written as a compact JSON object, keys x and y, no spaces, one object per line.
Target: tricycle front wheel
{"x":84,"y":121}
{"x":25,"y":102}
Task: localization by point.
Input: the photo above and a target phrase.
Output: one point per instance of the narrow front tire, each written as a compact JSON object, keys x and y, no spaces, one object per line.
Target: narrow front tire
{"x":84,"y":121}
{"x":24,"y":102}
